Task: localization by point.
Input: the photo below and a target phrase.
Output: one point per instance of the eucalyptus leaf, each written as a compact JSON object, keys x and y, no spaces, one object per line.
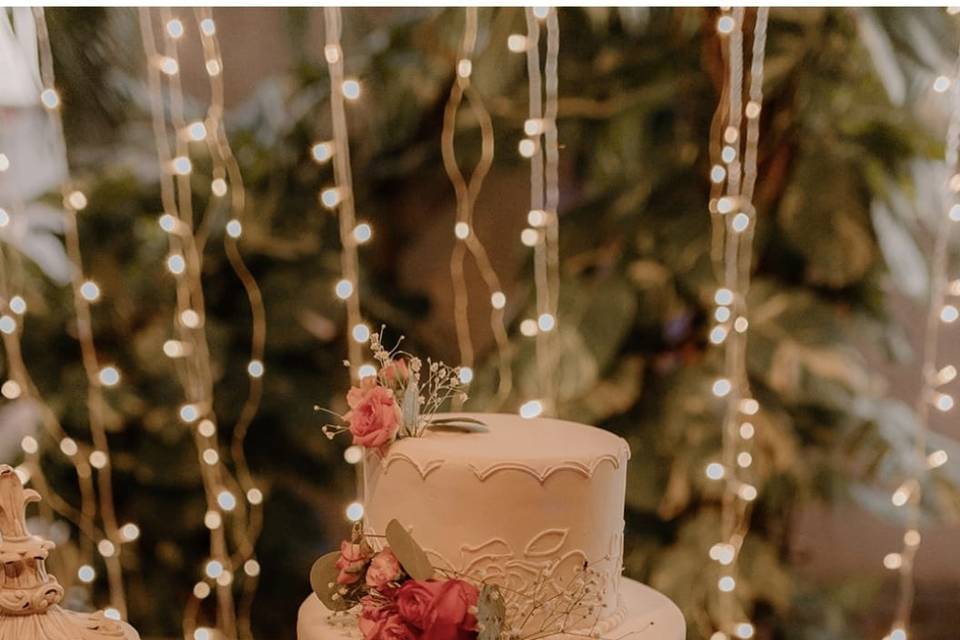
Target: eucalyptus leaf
{"x":411,"y":405}
{"x":491,"y":613}
{"x":323,"y":580}
{"x":412,"y":558}
{"x":466,"y":425}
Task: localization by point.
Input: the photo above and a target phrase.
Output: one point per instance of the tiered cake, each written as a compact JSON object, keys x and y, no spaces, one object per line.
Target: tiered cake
{"x":532,"y":506}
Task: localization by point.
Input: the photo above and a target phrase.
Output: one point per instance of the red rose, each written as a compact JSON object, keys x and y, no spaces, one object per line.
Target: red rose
{"x":384,"y":568}
{"x":374,"y":415}
{"x":440,"y":609}
{"x":352,"y":559}
{"x":379,"y":621}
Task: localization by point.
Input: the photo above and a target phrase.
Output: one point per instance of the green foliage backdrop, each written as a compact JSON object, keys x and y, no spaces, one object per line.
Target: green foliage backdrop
{"x":839,"y":168}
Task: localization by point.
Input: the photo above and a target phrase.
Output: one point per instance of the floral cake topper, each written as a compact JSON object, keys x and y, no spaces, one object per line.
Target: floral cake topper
{"x":400,"y":400}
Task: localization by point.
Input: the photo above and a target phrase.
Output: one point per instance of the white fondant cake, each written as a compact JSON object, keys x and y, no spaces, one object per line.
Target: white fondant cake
{"x":532,"y":506}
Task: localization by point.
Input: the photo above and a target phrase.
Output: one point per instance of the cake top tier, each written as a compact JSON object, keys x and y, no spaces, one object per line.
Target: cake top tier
{"x":539,"y":443}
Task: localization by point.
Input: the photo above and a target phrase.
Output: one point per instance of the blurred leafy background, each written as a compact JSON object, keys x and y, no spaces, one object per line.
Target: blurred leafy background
{"x":850,"y":181}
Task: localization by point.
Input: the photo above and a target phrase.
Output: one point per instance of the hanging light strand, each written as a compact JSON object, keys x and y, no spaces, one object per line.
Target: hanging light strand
{"x":97,"y":377}
{"x":341,"y":197}
{"x":910,"y":493}
{"x":233,"y":515}
{"x":466,"y":192}
{"x":542,"y":148}
{"x":227,"y":170}
{"x":733,"y":223}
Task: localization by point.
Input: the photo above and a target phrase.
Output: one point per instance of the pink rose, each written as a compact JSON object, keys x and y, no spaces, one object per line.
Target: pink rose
{"x":382,"y":622}
{"x":440,"y":609}
{"x":396,"y":371}
{"x":352,"y":559}
{"x":374,"y":416}
{"x":384,"y":568}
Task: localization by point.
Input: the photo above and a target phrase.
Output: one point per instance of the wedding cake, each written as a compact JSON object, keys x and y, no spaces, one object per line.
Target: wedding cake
{"x":534,"y":507}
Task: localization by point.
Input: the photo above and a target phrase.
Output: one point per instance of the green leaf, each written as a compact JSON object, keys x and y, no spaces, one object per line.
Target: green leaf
{"x":412,"y":558}
{"x":491,"y":613}
{"x":323,"y":580}
{"x":466,"y":425}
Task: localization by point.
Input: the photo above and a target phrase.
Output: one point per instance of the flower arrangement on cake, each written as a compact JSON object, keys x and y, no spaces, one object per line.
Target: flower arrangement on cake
{"x":401,"y":400}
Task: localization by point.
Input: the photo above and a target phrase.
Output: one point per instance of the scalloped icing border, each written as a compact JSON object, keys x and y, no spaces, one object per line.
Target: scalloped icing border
{"x":482,"y":473}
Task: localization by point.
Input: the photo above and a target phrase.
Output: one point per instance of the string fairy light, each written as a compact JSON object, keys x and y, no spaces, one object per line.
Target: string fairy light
{"x":341,"y":195}
{"x":733,"y":226}
{"x":466,"y":191}
{"x":110,"y":543}
{"x":227,"y":170}
{"x":909,"y":494}
{"x":542,"y":148}
{"x":233,"y":522}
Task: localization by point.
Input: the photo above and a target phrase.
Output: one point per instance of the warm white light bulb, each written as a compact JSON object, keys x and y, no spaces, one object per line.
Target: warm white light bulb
{"x":529,"y":327}
{"x":169,"y":66}
{"x":723,"y":297}
{"x":715,"y":471}
{"x":234,"y":229}
{"x":197,"y":131}
{"x":529,"y":237}
{"x":531,"y":409}
{"x":351,"y":89}
{"x":210,"y":457}
{"x":721,"y":387}
{"x":330,"y":197}
{"x":321,"y":152}
{"x":218,"y":187}
{"x":109,"y":376}
{"x":77,"y":201}
{"x":129,"y":532}
{"x":213,"y":569}
{"x":464,"y":68}
{"x":226,"y":500}
{"x":344,"y":289}
{"x":353,"y":454}
{"x":354,"y":512}
{"x":181,"y":165}
{"x":362,"y":233}
{"x":251,"y":567}
{"x":498,"y":300}
{"x":546,"y":322}
{"x":527,"y":148}
{"x":50,"y":98}
{"x":255,"y":369}
{"x":29,"y":445}
{"x":740,"y":222}
{"x":937,"y":459}
{"x":69,"y":447}
{"x":7,"y":324}
{"x":893,"y":561}
{"x":189,"y":413}
{"x":106,"y":548}
{"x":174,"y":28}
{"x":11,"y":389}
{"x":461,"y":230}
{"x":90,"y":291}
{"x":517,"y":42}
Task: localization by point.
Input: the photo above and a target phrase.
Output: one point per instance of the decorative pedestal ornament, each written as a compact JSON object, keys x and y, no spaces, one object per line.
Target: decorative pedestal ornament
{"x":29,"y":597}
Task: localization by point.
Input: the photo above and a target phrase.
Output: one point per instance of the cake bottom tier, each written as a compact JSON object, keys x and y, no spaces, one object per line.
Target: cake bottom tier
{"x":648,"y":615}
